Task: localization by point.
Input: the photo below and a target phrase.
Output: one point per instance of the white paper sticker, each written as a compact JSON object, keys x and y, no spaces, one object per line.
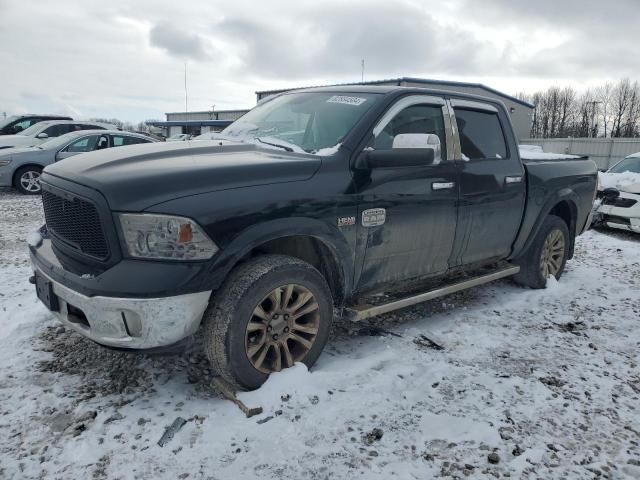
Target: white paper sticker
{"x":355,"y":101}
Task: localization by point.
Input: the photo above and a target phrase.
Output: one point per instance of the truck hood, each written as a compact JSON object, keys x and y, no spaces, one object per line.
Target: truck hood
{"x":137,"y":177}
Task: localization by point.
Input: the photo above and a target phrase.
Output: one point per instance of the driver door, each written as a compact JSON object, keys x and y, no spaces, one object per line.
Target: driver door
{"x":407,"y":214}
{"x":82,"y":145}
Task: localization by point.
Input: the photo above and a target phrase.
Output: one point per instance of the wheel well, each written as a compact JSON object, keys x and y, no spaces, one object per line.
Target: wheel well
{"x":568,"y":212}
{"x":313,"y":251}
{"x":14,"y":180}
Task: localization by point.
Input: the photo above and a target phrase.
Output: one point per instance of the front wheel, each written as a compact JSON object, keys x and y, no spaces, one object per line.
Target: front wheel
{"x":547,"y":255}
{"x":27,"y":180}
{"x":272,"y":312}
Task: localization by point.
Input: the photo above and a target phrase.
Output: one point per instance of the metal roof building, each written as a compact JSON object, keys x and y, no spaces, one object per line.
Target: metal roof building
{"x":521,"y":111}
{"x":197,"y":122}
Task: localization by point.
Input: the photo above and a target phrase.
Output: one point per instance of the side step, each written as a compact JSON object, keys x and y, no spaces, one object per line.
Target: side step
{"x":362,"y":312}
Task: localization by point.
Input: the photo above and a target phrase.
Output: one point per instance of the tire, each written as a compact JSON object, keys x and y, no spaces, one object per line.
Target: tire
{"x":27,"y":180}
{"x":532,"y":270}
{"x":232,"y":345}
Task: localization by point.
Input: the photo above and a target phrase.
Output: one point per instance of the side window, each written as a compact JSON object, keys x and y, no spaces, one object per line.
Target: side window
{"x":481,"y":134}
{"x":134,"y":140}
{"x":414,"y":119}
{"x":84,"y":126}
{"x":55,"y":130}
{"x":86,"y":144}
{"x":118,"y":140}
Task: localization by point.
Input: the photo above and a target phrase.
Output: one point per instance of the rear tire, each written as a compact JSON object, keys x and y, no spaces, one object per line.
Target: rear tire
{"x":546,"y":256}
{"x":271,"y":312}
{"x":27,"y":180}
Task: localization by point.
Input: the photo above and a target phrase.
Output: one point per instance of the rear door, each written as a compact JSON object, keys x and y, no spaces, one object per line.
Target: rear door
{"x":407,"y":214}
{"x":492,"y":184}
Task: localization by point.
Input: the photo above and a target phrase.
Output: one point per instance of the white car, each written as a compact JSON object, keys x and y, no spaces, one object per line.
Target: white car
{"x":621,"y":211}
{"x":42,"y":131}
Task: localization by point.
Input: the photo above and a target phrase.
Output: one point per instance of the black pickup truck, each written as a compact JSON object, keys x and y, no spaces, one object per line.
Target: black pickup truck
{"x":298,"y":212}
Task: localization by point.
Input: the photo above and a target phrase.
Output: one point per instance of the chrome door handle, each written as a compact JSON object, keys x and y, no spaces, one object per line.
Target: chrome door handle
{"x":443,"y":185}
{"x":517,"y":179}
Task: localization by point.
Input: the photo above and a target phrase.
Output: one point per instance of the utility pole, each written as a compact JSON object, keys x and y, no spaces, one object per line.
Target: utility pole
{"x":593,"y":104}
{"x":362,"y":70}
{"x":186,"y":103}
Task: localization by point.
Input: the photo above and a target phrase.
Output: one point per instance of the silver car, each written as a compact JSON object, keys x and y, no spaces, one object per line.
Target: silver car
{"x":43,"y":131}
{"x":21,"y":167}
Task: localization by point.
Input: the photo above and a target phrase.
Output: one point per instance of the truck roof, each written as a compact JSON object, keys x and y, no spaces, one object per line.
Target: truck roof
{"x":393,"y":89}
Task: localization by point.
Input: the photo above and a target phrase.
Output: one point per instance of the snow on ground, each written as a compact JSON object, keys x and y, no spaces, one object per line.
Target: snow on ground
{"x":545,"y":383}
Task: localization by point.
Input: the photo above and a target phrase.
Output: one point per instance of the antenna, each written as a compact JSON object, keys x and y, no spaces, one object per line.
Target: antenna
{"x":362,"y":65}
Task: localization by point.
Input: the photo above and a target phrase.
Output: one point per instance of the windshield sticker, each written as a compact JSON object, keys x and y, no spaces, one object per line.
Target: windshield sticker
{"x":355,"y":101}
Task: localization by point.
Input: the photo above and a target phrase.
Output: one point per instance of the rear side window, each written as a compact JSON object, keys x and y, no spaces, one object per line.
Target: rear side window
{"x":481,"y":134}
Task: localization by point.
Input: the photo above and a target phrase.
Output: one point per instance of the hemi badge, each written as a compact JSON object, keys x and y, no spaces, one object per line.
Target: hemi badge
{"x":346,"y":221}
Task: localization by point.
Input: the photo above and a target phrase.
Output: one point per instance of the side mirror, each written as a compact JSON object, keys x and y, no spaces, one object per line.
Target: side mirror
{"x":395,"y":158}
{"x":416,"y":140}
{"x":42,"y":135}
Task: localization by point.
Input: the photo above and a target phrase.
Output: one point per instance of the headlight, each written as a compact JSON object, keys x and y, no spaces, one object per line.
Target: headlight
{"x":4,"y":163}
{"x":165,"y":237}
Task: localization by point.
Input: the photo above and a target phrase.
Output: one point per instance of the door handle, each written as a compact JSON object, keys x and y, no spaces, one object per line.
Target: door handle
{"x":515,"y":179}
{"x":443,"y":185}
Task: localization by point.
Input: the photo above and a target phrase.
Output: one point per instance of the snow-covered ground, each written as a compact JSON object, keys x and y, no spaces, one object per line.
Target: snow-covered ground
{"x":545,"y":383}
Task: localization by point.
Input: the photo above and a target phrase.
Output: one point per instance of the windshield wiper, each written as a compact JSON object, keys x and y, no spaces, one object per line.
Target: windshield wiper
{"x":288,"y":149}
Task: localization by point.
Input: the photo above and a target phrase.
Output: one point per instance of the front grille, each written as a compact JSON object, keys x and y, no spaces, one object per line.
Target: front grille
{"x":620,"y":202}
{"x":76,"y":223}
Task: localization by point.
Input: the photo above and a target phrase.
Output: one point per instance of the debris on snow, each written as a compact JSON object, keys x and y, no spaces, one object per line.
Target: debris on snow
{"x":171,"y":430}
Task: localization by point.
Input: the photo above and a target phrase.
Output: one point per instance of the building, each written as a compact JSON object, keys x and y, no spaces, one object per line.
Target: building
{"x":521,"y":111}
{"x":195,"y":123}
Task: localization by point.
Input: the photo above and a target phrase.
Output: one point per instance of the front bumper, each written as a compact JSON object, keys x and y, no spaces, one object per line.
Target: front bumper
{"x":620,"y":217}
{"x":134,"y":323}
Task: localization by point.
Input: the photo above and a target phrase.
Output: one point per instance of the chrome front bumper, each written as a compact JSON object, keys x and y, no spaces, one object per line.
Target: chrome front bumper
{"x":136,"y":323}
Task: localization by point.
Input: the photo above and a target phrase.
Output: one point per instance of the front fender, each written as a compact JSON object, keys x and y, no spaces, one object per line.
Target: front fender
{"x":261,"y":233}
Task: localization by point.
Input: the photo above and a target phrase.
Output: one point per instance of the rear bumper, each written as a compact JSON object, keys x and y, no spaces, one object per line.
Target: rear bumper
{"x":134,"y":323}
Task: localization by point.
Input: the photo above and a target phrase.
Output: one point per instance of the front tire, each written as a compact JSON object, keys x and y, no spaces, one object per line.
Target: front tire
{"x":272,"y":312}
{"x":547,"y":255}
{"x":27,"y":180}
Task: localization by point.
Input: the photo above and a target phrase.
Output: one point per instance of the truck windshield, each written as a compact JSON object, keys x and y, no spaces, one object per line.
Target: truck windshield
{"x":302,"y":122}
{"x":630,"y":164}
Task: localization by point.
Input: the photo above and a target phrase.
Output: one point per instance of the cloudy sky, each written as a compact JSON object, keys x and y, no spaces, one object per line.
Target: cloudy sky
{"x":126,"y":59}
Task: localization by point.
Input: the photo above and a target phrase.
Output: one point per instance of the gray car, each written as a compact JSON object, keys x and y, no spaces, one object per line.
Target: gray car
{"x":21,"y":167}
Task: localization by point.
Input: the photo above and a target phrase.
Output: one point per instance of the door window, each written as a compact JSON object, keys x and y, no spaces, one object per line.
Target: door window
{"x":57,"y":130}
{"x":481,"y":134}
{"x":85,"y":144}
{"x":418,"y":121}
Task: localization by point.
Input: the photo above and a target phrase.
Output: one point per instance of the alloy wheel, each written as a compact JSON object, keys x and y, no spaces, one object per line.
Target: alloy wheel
{"x":552,"y":254}
{"x":30,"y":181}
{"x":282,"y":328}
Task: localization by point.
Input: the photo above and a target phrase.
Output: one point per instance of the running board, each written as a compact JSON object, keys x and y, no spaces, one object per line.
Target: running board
{"x":362,"y":312}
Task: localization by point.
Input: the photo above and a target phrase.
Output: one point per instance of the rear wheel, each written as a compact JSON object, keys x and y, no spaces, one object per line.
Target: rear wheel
{"x":546,"y":256}
{"x":272,"y":312}
{"x":27,"y":180}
